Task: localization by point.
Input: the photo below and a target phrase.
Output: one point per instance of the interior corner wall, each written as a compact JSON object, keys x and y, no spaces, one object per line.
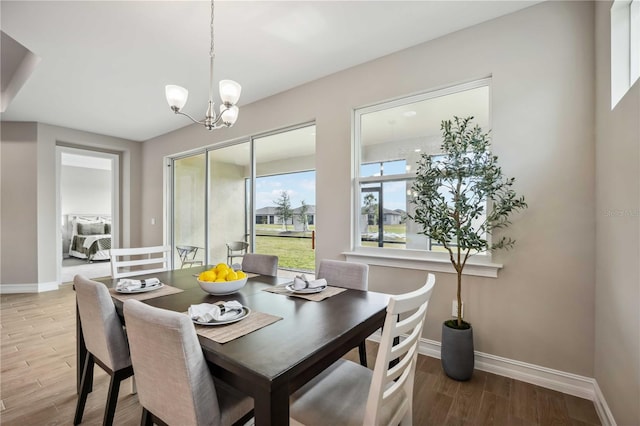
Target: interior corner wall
{"x":31,"y":236}
{"x":617,"y":339}
{"x":18,"y":218}
{"x":540,"y":309}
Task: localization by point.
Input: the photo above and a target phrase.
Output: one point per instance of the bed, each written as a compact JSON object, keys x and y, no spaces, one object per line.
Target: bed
{"x":89,"y":236}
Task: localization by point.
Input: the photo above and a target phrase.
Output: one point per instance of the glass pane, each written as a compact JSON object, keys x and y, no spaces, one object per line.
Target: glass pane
{"x":392,"y":142}
{"x":286,"y":199}
{"x":189,"y":208}
{"x":229,"y":193}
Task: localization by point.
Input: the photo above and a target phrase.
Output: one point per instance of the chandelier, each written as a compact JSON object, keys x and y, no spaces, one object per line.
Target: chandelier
{"x":229,"y":94}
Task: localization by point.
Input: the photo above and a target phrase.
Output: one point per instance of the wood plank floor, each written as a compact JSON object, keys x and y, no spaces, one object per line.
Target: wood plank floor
{"x":37,"y":378}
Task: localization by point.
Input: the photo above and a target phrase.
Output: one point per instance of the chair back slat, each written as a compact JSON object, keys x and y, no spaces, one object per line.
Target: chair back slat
{"x":127,"y":262}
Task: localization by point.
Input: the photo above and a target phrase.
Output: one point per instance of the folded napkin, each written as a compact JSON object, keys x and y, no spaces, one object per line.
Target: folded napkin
{"x":137,"y":284}
{"x":207,"y":312}
{"x":301,"y":282}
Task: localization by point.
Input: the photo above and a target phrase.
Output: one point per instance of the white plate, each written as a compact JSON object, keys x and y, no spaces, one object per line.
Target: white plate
{"x":245,"y":313}
{"x":140,"y":290}
{"x":305,"y":290}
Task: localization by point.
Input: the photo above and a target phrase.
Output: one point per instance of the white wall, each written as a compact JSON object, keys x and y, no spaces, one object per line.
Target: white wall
{"x":617,"y":335}
{"x":84,"y":190}
{"x":540,"y":310}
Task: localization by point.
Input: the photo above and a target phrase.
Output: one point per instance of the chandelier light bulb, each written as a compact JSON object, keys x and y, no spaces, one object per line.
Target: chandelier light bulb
{"x":176,"y":96}
{"x":229,"y":92}
{"x":229,"y":115}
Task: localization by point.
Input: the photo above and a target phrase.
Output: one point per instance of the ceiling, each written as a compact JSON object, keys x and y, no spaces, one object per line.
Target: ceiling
{"x":103,"y":65}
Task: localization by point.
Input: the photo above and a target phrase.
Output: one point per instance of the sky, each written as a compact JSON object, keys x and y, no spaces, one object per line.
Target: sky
{"x":302,"y":186}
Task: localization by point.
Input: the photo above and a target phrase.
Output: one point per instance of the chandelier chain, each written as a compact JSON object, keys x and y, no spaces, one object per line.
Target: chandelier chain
{"x":211,"y":52}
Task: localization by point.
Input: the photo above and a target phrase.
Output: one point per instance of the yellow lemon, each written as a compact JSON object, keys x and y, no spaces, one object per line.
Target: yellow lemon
{"x":222,"y":275}
{"x":222,"y":267}
{"x":219,"y":280}
{"x":241,"y":275}
{"x":207,"y":276}
{"x":232,"y":276}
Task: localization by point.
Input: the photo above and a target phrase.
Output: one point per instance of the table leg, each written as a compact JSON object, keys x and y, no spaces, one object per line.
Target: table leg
{"x":272,"y":408}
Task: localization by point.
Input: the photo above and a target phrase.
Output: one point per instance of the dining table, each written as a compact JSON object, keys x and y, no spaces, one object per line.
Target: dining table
{"x":272,"y":362}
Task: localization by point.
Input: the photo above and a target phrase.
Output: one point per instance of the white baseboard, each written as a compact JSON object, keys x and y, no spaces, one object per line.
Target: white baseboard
{"x":605,"y":414}
{"x":28,"y":288}
{"x":569,"y":383}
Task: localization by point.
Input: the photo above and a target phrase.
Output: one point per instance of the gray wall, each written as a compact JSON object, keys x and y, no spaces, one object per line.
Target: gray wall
{"x":617,"y":339}
{"x":542,"y":63}
{"x":18,"y":220}
{"x":28,"y":195}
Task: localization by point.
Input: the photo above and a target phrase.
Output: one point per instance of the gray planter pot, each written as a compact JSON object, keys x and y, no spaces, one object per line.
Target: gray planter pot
{"x":457,"y":352}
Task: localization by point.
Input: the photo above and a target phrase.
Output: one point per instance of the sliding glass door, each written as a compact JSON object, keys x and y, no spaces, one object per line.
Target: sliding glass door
{"x":229,"y":194}
{"x":285,"y":213}
{"x":215,"y":203}
{"x":189,"y":220}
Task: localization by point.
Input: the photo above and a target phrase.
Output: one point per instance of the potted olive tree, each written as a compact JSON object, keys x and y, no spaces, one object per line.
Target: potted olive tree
{"x":460,"y":198}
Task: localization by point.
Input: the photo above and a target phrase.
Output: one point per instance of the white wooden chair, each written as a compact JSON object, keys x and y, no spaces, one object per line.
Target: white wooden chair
{"x":347,"y":393}
{"x":127,"y":262}
{"x":347,"y":275}
{"x":175,"y":386}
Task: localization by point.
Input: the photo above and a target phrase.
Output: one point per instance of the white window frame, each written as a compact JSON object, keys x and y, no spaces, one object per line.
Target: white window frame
{"x":478,"y":265}
{"x":625,"y":47}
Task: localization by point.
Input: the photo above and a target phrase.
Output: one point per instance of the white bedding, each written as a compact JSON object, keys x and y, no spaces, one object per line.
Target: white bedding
{"x":82,"y":251}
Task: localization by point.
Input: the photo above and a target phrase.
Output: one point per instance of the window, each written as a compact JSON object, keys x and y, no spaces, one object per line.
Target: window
{"x":389,"y":140}
{"x":625,"y":47}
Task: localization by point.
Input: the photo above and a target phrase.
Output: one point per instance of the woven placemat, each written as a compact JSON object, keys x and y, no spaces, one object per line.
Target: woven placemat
{"x":229,"y":332}
{"x":164,"y":291}
{"x":315,"y":297}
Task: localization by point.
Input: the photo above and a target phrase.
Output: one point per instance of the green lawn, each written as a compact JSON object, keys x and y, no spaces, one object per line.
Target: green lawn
{"x":293,"y":253}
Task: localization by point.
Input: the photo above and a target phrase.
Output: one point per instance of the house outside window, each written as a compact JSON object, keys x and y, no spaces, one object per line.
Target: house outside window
{"x":389,"y":140}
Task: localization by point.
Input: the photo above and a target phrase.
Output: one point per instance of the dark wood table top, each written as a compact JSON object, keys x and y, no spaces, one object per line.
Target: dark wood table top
{"x":274,"y":361}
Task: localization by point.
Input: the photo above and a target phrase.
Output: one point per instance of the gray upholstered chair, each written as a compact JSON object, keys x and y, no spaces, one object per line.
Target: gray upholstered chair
{"x":349,"y":394}
{"x":346,"y":275}
{"x":173,"y":379}
{"x":263,"y":264}
{"x":106,"y":343}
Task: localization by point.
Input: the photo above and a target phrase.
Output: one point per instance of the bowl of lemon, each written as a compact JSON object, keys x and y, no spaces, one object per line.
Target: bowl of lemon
{"x":222,"y":279}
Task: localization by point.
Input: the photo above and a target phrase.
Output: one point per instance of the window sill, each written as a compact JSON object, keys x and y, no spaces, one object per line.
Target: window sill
{"x":431,"y":262}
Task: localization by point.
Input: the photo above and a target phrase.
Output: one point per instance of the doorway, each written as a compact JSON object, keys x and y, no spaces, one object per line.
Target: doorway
{"x":87,"y":211}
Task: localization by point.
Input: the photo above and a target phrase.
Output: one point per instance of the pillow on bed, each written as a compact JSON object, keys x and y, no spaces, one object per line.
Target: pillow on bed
{"x":107,"y":228}
{"x":80,"y":219}
{"x":91,"y":228}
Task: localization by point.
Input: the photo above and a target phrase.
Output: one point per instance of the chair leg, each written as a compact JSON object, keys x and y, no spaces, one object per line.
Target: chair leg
{"x":134,"y":389}
{"x":112,"y":398}
{"x":146,"y":419}
{"x":362,"y":348}
{"x":87,"y":375}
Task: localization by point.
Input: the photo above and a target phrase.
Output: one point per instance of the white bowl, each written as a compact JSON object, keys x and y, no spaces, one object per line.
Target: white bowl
{"x":227,"y":287}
